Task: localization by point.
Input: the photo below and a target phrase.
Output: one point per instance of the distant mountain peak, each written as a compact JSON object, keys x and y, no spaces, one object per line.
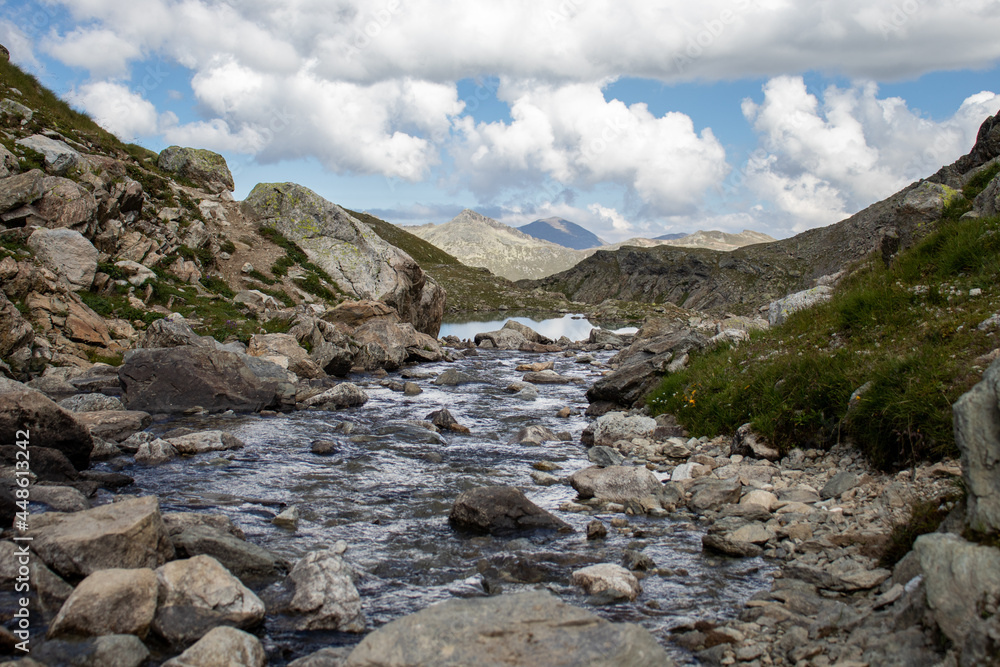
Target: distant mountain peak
{"x":562,"y":232}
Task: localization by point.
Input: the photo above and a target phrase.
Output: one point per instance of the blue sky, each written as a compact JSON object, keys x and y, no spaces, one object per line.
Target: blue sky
{"x":630,"y":117}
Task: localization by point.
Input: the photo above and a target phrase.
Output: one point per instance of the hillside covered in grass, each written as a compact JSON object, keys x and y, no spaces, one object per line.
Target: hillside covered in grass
{"x":880,"y":364}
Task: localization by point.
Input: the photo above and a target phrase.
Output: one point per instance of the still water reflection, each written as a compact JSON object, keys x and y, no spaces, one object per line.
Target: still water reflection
{"x":573,"y":326}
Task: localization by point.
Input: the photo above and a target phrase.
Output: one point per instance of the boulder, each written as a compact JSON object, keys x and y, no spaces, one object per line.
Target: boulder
{"x":285,"y":345}
{"x":531,"y":629}
{"x":444,"y":420}
{"x":323,"y":596}
{"x":59,"y":157}
{"x":453,"y":378}
{"x":115,"y":425}
{"x":155,"y":452}
{"x":178,"y":522}
{"x":174,"y":379}
{"x":977,"y":433}
{"x":840,"y":483}
{"x":136,"y":273}
{"x":617,"y":484}
{"x":172,"y":333}
{"x":106,"y":651}
{"x":502,"y":339}
{"x":91,"y":403}
{"x":616,"y":426}
{"x":607,"y":580}
{"x":344,"y":395}
{"x":47,"y":424}
{"x":48,"y":465}
{"x":782,"y":308}
{"x":68,"y":254}
{"x":15,"y":331}
{"x":727,"y":546}
{"x":962,"y":581}
{"x":536,"y":434}
{"x":546,"y":377}
{"x":257,"y":301}
{"x":109,"y":602}
{"x":60,"y":498}
{"x":127,"y":534}
{"x":247,"y":561}
{"x":206,"y":169}
{"x":383,"y":343}
{"x":334,"y":359}
{"x":499,"y":510}
{"x":222,"y":647}
{"x":21,"y":190}
{"x":605,"y":456}
{"x":709,"y":493}
{"x":202,"y":583}
{"x":363,"y":264}
{"x":527,"y":332}
{"x":205,"y":441}
{"x":66,"y":204}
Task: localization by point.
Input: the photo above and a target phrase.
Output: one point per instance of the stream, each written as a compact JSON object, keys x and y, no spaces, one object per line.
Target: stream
{"x":389,"y":487}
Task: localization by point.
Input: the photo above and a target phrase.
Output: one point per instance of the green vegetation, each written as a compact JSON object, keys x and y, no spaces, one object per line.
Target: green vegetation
{"x":217,"y":285}
{"x":204,"y":256}
{"x":905,"y":337}
{"x":925,"y":517}
{"x":260,"y":277}
{"x":117,"y":306}
{"x":316,"y":280}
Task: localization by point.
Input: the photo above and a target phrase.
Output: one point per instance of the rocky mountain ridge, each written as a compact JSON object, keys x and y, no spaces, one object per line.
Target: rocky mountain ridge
{"x":748,"y":278}
{"x":563,"y":232}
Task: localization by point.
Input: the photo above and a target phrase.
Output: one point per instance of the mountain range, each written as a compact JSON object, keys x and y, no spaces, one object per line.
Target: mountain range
{"x":477,"y":240}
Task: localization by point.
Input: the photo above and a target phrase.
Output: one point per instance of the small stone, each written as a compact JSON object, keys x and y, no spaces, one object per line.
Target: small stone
{"x":289,"y":518}
{"x":324,"y":447}
{"x":596,"y":530}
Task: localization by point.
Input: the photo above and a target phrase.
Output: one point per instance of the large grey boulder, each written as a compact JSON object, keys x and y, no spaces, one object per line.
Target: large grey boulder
{"x":499,"y":510}
{"x":204,"y":168}
{"x":285,"y":350}
{"x":782,"y":308}
{"x":115,"y":425}
{"x":362,"y":264}
{"x":205,"y":441}
{"x":530,"y":629}
{"x":387,"y":343}
{"x":977,"y":433}
{"x":344,"y":395}
{"x":172,"y":333}
{"x":91,"y":403}
{"x":617,"y":484}
{"x":171,"y":380}
{"x":962,"y":581}
{"x":66,"y":204}
{"x":59,"y":157}
{"x":987,"y":202}
{"x":21,"y":190}
{"x":615,"y":426}
{"x":222,"y":647}
{"x":709,"y":493}
{"x":201,"y":583}
{"x":49,"y":425}
{"x":323,"y":596}
{"x":68,"y":254}
{"x":109,"y":602}
{"x":245,"y":560}
{"x":128,"y":534}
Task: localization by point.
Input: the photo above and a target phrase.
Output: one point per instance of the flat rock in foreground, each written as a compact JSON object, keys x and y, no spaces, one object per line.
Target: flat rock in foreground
{"x":528,"y":629}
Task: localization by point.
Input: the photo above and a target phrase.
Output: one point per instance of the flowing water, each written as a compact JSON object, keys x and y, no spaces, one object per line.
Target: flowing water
{"x":388,"y":490}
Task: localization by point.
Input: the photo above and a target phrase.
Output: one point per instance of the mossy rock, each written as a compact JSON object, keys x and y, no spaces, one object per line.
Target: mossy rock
{"x":200,"y":166}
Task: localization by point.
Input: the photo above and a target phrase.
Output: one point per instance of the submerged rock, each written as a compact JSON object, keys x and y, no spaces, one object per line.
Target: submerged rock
{"x":607,"y":580}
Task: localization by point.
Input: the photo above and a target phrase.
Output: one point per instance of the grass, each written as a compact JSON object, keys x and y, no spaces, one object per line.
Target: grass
{"x":907,"y":334}
{"x":316,"y":280}
{"x":117,"y":306}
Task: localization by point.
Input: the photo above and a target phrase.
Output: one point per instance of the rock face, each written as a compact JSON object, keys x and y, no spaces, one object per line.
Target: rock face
{"x":59,"y":157}
{"x":172,"y":380}
{"x":962,"y":579}
{"x":67,"y":253}
{"x":109,"y":602}
{"x":46,"y":423}
{"x":127,"y":534}
{"x":325,"y":597}
{"x":364,"y":265}
{"x":15,"y":331}
{"x":499,"y":510}
{"x":531,"y":629}
{"x":977,"y":433}
{"x":205,"y":168}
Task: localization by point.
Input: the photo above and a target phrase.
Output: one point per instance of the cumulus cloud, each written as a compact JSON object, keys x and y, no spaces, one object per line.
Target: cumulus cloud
{"x":100,"y":50}
{"x":573,"y":135}
{"x":609,"y":216}
{"x":821,"y":160}
{"x":117,"y":109}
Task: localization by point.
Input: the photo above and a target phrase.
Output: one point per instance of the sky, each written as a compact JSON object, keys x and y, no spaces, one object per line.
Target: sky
{"x":629,"y":117}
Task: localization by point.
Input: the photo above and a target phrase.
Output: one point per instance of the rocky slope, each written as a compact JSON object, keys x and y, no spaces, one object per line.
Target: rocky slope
{"x":742,"y":280}
{"x":562,"y":232}
{"x":480,"y":241}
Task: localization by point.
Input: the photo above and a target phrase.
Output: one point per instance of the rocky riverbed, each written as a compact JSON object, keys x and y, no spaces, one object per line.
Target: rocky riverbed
{"x":294,"y":534}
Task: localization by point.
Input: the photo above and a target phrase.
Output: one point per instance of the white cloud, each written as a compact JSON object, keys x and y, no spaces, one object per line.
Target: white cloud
{"x":117,"y":109}
{"x":572,"y":134}
{"x":823,"y":160}
{"x":19,"y":45}
{"x":619,"y":225}
{"x":99,"y":50}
